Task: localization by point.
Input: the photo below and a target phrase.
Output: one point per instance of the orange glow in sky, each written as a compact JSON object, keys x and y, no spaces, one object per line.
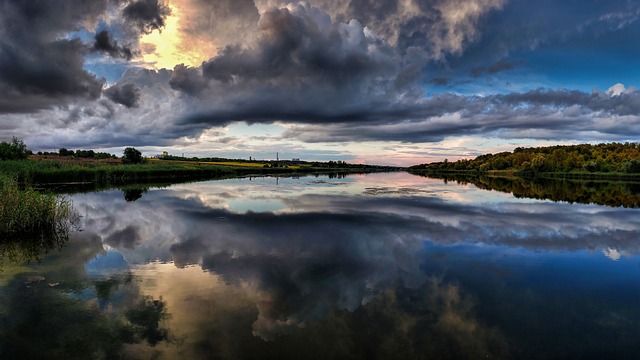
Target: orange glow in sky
{"x":172,"y":46}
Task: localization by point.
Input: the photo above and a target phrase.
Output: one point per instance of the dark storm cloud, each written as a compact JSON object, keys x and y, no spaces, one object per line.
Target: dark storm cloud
{"x":306,"y":69}
{"x":38,"y":67}
{"x":42,"y":66}
{"x":303,"y":67}
{"x":187,"y":79}
{"x":543,"y":114}
{"x":104,"y":43}
{"x":127,"y":238}
{"x":304,"y":48}
{"x":147,"y":15}
{"x":126,"y":94}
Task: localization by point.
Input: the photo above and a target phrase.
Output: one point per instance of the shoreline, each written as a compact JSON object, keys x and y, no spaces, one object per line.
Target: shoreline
{"x":51,"y":173}
{"x":513,"y":174}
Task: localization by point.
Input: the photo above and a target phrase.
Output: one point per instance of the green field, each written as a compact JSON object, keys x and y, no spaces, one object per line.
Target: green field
{"x":63,"y":170}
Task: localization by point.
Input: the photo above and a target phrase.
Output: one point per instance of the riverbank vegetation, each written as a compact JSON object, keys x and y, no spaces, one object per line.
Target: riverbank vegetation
{"x":601,"y":192}
{"x":49,"y":171}
{"x":613,"y":160}
{"x":31,"y":221}
{"x":101,"y":169}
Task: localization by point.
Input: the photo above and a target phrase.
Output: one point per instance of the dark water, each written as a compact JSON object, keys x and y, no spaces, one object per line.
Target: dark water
{"x":378,"y":266}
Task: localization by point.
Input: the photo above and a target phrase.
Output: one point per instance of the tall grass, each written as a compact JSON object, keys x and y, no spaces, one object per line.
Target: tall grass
{"x":101,"y":174}
{"x":32,"y":172}
{"x":31,"y":222}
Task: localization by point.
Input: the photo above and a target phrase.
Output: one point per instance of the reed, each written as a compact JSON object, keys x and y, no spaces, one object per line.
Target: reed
{"x":26,"y":214}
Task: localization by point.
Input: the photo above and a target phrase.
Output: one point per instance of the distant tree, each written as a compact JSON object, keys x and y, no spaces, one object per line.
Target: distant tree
{"x":15,"y":150}
{"x":65,"y":152}
{"x":132,"y":156}
{"x":102,"y":155}
{"x":89,"y":154}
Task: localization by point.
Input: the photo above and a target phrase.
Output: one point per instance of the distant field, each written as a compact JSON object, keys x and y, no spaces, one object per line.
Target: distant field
{"x":59,"y":170}
{"x":225,"y":163}
{"x":74,"y":160}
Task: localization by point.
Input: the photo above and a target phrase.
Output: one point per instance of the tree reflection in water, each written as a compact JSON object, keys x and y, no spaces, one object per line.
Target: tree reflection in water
{"x":610,"y":193}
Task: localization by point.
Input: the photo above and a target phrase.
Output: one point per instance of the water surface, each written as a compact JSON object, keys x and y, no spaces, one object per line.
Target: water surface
{"x":366,"y":266}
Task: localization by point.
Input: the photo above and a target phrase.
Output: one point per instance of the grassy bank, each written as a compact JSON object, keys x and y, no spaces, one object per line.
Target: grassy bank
{"x":43,"y":172}
{"x":31,"y":222}
{"x":103,"y":174}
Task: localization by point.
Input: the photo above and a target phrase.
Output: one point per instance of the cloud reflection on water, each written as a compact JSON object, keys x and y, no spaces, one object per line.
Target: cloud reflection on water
{"x":326,"y":251}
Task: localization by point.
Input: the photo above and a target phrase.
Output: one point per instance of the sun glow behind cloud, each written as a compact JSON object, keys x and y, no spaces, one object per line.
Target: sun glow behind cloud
{"x":172,"y":45}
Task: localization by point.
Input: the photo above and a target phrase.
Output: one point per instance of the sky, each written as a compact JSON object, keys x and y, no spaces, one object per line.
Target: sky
{"x":390,"y":82}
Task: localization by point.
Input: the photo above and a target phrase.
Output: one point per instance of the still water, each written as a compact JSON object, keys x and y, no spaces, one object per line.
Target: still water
{"x":379,"y":266}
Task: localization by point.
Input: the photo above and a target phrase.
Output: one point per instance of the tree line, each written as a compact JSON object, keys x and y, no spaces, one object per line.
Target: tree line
{"x":17,"y":150}
{"x":610,"y":157}
{"x":85,"y":154}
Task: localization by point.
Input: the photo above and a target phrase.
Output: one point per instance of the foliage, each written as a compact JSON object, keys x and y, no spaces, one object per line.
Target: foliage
{"x":65,"y":152}
{"x":46,"y":324}
{"x":85,"y":154}
{"x":146,"y":318}
{"x":132,"y":156}
{"x":15,"y":150}
{"x":31,"y":216}
{"x":612,"y":157}
{"x":632,"y":167}
{"x":131,"y":195}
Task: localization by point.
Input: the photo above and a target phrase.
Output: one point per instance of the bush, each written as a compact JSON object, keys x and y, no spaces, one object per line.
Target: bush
{"x":16,"y":150}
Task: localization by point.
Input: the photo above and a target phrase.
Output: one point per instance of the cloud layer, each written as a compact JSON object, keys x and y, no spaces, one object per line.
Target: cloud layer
{"x":413,"y":71}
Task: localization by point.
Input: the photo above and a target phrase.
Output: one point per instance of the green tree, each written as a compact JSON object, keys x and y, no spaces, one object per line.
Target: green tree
{"x":65,"y":152}
{"x":633,"y":166}
{"x":15,"y":150}
{"x":132,"y":156}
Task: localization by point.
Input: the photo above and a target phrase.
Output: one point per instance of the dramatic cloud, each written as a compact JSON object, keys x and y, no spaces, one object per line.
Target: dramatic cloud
{"x":188,"y":80}
{"x":411,"y":71}
{"x":127,"y":238}
{"x":147,"y":15}
{"x":104,"y":43}
{"x":127,"y":94}
{"x":542,"y":114}
{"x":38,"y":66}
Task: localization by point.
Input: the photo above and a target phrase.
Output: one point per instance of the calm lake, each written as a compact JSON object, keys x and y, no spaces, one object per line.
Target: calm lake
{"x":379,"y":266}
